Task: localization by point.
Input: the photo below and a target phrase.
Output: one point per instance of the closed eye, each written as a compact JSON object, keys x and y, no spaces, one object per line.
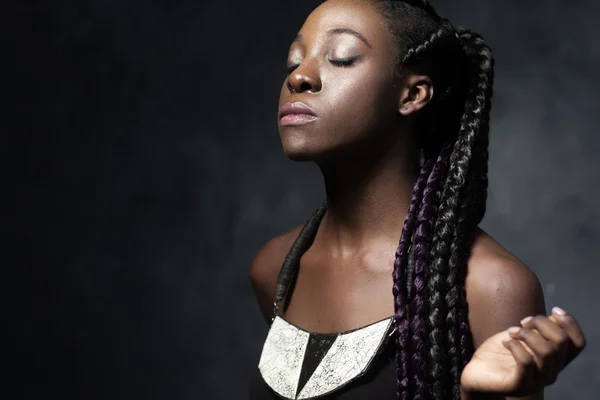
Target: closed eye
{"x":338,"y":62}
{"x":343,"y":62}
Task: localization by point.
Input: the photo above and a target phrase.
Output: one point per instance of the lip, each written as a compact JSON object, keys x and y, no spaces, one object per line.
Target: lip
{"x":296,"y":113}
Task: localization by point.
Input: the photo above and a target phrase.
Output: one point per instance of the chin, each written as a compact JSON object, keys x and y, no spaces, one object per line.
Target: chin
{"x":298,"y":147}
{"x":296,"y":153}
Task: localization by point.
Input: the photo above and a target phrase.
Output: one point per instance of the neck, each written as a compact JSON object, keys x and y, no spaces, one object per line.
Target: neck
{"x":367,"y":200}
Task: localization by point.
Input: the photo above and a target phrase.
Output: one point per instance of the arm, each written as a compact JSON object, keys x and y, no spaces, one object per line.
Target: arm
{"x":501,"y":291}
{"x":264,"y":279}
{"x":265,"y":268}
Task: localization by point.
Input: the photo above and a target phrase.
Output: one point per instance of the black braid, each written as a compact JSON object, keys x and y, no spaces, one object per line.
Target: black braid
{"x":472,"y":210}
{"x":455,"y":233}
{"x":291,"y":264}
{"x":446,"y":29}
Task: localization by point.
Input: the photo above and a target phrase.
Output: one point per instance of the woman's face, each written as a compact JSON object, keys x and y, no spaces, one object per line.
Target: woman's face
{"x":341,"y":71}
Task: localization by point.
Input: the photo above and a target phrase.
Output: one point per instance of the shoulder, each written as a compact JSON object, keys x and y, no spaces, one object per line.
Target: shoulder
{"x":501,"y":289}
{"x":265,"y":268}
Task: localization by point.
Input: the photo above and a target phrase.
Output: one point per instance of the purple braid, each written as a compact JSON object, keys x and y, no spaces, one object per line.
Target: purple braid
{"x":400,"y":287}
{"x":422,"y":243}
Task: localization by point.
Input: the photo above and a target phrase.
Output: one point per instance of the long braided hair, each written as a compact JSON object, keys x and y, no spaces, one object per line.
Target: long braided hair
{"x":448,"y":200}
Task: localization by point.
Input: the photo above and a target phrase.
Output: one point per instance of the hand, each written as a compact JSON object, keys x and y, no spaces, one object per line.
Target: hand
{"x":523,"y":360}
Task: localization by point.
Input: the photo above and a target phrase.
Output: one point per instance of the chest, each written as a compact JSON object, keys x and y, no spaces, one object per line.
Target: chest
{"x":335,"y":295}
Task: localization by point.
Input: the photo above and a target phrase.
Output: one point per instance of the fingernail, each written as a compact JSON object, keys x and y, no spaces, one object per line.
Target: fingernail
{"x":558,"y":311}
{"x":526,"y":320}
{"x":514,"y":329}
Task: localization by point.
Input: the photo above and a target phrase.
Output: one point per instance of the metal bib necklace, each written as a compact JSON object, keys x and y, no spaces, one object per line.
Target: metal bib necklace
{"x":298,"y":364}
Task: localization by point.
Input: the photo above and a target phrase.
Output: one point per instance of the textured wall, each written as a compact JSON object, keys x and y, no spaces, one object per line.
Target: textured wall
{"x":147,"y":172}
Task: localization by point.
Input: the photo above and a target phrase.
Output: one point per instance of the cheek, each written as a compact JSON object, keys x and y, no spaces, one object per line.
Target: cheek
{"x":360,"y":102}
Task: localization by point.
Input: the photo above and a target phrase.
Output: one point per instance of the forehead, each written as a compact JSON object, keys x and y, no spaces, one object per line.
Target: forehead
{"x":358,"y":15}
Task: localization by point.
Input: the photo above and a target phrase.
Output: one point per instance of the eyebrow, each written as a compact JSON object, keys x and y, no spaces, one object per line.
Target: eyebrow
{"x":339,"y":31}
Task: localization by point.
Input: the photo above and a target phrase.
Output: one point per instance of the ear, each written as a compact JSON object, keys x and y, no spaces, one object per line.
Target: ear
{"x":415,"y":92}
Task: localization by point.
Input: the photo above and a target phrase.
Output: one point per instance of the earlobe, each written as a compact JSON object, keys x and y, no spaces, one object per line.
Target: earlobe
{"x":416,"y":91}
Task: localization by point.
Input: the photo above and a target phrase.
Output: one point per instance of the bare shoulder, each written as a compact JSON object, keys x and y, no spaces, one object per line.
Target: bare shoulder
{"x":265,"y":268}
{"x":501,"y":289}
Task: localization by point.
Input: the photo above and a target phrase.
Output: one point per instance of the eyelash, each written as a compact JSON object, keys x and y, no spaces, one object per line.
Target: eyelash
{"x":341,"y":62}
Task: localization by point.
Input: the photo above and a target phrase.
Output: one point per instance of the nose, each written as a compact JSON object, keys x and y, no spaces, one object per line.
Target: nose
{"x":305,"y":78}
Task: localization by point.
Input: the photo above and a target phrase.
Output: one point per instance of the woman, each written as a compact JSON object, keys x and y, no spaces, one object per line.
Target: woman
{"x":392,"y":103}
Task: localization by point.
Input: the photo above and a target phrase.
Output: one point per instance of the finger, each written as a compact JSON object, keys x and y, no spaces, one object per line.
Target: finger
{"x":542,"y":348}
{"x":525,"y":361}
{"x":557,"y":337}
{"x":549,"y":330}
{"x":569,"y":324}
{"x":527,"y":348}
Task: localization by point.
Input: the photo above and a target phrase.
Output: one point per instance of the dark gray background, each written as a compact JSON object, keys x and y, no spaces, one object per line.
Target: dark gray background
{"x":146,"y":169}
